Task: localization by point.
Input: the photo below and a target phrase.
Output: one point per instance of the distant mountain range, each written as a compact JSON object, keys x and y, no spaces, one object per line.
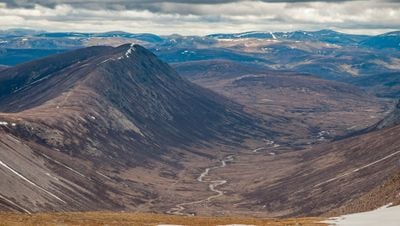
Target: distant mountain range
{"x":328,"y":36}
{"x":387,"y":40}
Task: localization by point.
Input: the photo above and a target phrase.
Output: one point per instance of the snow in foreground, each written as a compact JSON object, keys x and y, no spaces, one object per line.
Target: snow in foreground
{"x":388,"y":216}
{"x":218,"y":225}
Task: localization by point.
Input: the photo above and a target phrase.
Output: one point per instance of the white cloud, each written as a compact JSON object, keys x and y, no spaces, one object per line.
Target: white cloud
{"x":186,"y":18}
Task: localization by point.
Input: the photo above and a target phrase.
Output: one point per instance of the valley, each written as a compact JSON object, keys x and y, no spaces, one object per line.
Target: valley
{"x":223,"y":128}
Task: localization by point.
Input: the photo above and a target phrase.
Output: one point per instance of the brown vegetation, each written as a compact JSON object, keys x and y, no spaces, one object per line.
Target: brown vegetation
{"x":138,"y":219}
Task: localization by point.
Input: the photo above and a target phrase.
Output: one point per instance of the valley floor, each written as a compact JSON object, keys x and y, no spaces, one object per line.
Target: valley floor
{"x":121,"y":218}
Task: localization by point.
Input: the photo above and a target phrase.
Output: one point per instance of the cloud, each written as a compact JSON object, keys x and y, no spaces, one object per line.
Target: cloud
{"x":201,"y":17}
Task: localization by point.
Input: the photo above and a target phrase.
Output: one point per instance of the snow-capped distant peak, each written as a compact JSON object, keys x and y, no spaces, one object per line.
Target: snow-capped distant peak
{"x":246,"y":33}
{"x":273,"y":36}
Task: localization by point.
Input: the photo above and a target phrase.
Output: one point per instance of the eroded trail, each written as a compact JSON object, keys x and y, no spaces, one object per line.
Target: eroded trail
{"x":213,"y":184}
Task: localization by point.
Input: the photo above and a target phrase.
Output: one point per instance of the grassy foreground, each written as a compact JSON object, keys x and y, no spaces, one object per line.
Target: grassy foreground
{"x":140,"y":219}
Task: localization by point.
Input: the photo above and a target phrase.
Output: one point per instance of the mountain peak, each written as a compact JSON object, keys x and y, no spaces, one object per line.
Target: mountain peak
{"x":60,"y":73}
{"x":130,"y":93}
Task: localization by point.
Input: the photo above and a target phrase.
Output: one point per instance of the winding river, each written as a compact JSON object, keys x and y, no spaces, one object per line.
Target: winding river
{"x":212,"y":185}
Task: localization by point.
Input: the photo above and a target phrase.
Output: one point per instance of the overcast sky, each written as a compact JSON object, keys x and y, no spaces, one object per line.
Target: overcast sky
{"x":201,"y":17}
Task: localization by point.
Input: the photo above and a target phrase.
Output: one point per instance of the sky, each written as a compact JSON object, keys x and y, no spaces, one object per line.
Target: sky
{"x":196,"y":17}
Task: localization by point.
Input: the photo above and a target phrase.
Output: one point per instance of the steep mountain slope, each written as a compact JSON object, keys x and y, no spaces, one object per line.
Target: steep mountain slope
{"x":319,"y":109}
{"x":71,"y":124}
{"x":335,"y":177}
{"x":382,"y":195}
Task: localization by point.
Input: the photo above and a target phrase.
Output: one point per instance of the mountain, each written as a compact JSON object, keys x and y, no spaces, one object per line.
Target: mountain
{"x":18,"y":32}
{"x":251,"y":34}
{"x":116,"y":128}
{"x":328,"y":36}
{"x":111,"y":34}
{"x":314,"y":105}
{"x":106,"y":128}
{"x":351,"y":175}
{"x":387,"y":40}
{"x":326,"y":54}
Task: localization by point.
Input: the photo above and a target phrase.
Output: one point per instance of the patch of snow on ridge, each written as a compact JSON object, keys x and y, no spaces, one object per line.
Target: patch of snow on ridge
{"x":169,"y":225}
{"x":273,"y":36}
{"x":246,"y":33}
{"x":388,"y":216}
{"x":130,"y":50}
{"x":237,"y":225}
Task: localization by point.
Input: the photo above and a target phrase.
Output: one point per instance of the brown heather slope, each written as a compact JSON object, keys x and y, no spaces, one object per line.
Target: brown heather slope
{"x":316,"y":109}
{"x":116,"y":129}
{"x":331,"y":175}
{"x":333,"y":107}
{"x":384,"y":194}
{"x":349,"y":175}
{"x":106,"y":128}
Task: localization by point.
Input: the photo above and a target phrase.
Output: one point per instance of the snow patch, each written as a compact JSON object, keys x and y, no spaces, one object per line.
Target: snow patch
{"x":237,"y":225}
{"x":6,"y":124}
{"x":358,"y":169}
{"x":104,"y":61}
{"x":321,"y":135}
{"x":49,"y":175}
{"x":14,"y":204}
{"x":273,"y":36}
{"x":29,"y":181}
{"x":62,"y":164}
{"x":169,"y":225}
{"x":103,"y":175}
{"x":130,"y":50}
{"x":388,"y":216}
